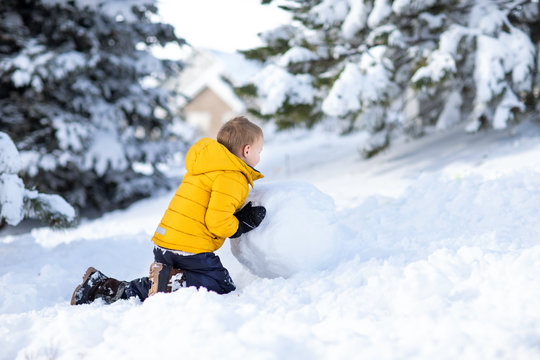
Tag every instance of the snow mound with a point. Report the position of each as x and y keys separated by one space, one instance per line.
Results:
x=301 y=231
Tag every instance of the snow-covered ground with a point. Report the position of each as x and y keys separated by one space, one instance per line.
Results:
x=435 y=255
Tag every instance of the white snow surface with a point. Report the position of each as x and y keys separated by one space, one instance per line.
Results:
x=430 y=250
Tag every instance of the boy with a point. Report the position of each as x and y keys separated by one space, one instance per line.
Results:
x=203 y=212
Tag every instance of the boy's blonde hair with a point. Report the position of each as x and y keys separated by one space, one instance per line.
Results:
x=237 y=133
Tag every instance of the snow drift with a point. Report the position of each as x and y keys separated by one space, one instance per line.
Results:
x=447 y=269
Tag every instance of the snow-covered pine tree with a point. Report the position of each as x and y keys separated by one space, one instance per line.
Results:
x=18 y=203
x=382 y=65
x=76 y=99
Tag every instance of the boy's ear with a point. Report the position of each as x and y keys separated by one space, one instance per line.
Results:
x=245 y=150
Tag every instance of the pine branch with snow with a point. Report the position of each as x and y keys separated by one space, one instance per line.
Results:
x=402 y=66
x=18 y=203
x=79 y=98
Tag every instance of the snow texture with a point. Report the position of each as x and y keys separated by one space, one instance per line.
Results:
x=451 y=113
x=103 y=113
x=435 y=47
x=15 y=201
x=9 y=156
x=113 y=8
x=505 y=111
x=443 y=262
x=344 y=96
x=440 y=65
x=54 y=205
x=408 y=7
x=330 y=12
x=360 y=84
x=11 y=198
x=451 y=38
x=295 y=55
x=11 y=186
x=275 y=86
x=356 y=19
x=489 y=72
x=106 y=152
x=381 y=11
x=274 y=250
x=500 y=53
x=433 y=21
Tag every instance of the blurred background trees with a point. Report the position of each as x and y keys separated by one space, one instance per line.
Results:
x=79 y=98
x=401 y=66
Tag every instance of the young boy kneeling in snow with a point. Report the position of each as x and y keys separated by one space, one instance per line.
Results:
x=204 y=211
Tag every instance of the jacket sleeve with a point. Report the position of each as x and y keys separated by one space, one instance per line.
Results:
x=228 y=194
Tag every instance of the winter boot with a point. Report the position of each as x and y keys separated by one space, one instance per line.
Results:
x=96 y=285
x=165 y=278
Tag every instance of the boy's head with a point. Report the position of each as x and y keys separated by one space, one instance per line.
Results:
x=243 y=138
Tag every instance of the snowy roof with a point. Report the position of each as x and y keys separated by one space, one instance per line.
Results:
x=238 y=69
x=209 y=69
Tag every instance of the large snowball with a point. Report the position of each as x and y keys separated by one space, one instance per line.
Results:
x=301 y=231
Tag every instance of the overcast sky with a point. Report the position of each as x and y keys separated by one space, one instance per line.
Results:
x=218 y=24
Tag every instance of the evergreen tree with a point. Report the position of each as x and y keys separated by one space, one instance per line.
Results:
x=77 y=99
x=401 y=65
x=17 y=203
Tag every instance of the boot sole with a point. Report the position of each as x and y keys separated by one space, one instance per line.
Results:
x=86 y=275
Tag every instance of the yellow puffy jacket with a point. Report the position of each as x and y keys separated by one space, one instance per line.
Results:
x=200 y=215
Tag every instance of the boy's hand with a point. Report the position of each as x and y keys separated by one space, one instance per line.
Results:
x=249 y=217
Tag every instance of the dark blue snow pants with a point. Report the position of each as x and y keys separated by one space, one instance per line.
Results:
x=202 y=270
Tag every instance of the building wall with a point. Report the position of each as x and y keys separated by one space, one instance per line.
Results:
x=208 y=112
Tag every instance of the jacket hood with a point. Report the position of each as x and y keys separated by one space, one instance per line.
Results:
x=208 y=155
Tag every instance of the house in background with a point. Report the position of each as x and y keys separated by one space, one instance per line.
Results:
x=205 y=97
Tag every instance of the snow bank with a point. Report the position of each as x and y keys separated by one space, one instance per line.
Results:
x=442 y=212
x=301 y=231
x=446 y=269
x=451 y=265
